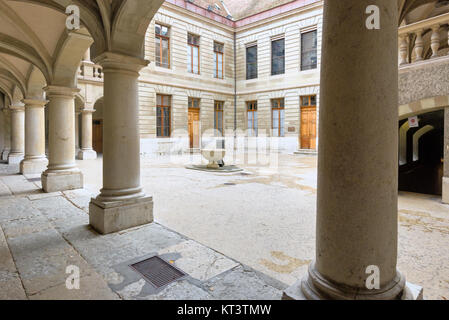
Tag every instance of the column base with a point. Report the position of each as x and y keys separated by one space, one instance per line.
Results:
x=4 y=155
x=86 y=154
x=109 y=217
x=305 y=289
x=33 y=166
x=445 y=193
x=15 y=158
x=62 y=181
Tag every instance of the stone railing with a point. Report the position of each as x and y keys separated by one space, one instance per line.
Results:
x=411 y=43
x=90 y=71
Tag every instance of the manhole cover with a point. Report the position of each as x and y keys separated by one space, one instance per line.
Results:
x=157 y=271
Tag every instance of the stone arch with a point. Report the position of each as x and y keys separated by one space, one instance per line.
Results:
x=423 y=106
x=418 y=134
x=35 y=84
x=403 y=143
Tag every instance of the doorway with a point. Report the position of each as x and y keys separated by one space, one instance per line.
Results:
x=194 y=123
x=97 y=135
x=308 y=123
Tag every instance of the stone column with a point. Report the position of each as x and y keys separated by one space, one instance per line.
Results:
x=86 y=152
x=35 y=161
x=122 y=203
x=7 y=137
x=358 y=158
x=77 y=131
x=17 y=134
x=445 y=195
x=62 y=173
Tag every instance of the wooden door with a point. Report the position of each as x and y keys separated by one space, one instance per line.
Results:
x=194 y=127
x=97 y=135
x=308 y=128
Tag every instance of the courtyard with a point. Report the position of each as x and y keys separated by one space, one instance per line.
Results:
x=243 y=235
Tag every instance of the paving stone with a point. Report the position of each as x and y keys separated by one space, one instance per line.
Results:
x=16 y=208
x=200 y=262
x=42 y=258
x=92 y=287
x=4 y=190
x=19 y=227
x=43 y=195
x=19 y=185
x=181 y=290
x=241 y=284
x=81 y=198
x=10 y=284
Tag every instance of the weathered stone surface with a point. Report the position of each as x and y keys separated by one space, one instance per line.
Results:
x=241 y=284
x=198 y=261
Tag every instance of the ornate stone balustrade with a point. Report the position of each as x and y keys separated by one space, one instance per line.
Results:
x=90 y=71
x=411 y=39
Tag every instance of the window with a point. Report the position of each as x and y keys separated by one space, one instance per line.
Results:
x=194 y=103
x=309 y=50
x=218 y=60
x=278 y=116
x=251 y=107
x=193 y=54
x=218 y=116
x=162 y=46
x=308 y=101
x=163 y=115
x=277 y=57
x=251 y=62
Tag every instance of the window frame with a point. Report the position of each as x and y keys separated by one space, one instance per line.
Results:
x=216 y=53
x=273 y=40
x=311 y=50
x=219 y=112
x=252 y=46
x=161 y=37
x=251 y=107
x=281 y=106
x=162 y=107
x=191 y=46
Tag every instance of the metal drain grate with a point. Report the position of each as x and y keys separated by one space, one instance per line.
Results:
x=157 y=271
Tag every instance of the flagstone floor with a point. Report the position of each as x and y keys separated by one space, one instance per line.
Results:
x=237 y=235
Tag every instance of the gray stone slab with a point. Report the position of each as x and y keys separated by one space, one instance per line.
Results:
x=198 y=261
x=241 y=284
x=16 y=208
x=181 y=290
x=19 y=185
x=80 y=198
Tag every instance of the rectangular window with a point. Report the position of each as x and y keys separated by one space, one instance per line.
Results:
x=162 y=46
x=218 y=116
x=277 y=117
x=163 y=116
x=251 y=62
x=309 y=47
x=251 y=107
x=218 y=60
x=277 y=57
x=194 y=103
x=193 y=53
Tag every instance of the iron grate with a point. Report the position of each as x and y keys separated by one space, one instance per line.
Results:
x=157 y=271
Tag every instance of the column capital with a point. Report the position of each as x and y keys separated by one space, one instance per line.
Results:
x=87 y=110
x=53 y=91
x=17 y=108
x=117 y=62
x=34 y=103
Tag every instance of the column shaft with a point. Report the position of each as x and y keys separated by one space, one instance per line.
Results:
x=122 y=203
x=35 y=160
x=86 y=152
x=7 y=134
x=358 y=156
x=62 y=173
x=17 y=135
x=445 y=196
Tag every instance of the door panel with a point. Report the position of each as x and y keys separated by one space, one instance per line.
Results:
x=308 y=128
x=194 y=127
x=97 y=135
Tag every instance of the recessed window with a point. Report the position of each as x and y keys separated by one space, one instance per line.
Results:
x=251 y=62
x=251 y=107
x=163 y=115
x=162 y=46
x=277 y=117
x=218 y=116
x=309 y=57
x=277 y=57
x=193 y=53
x=194 y=103
x=218 y=60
